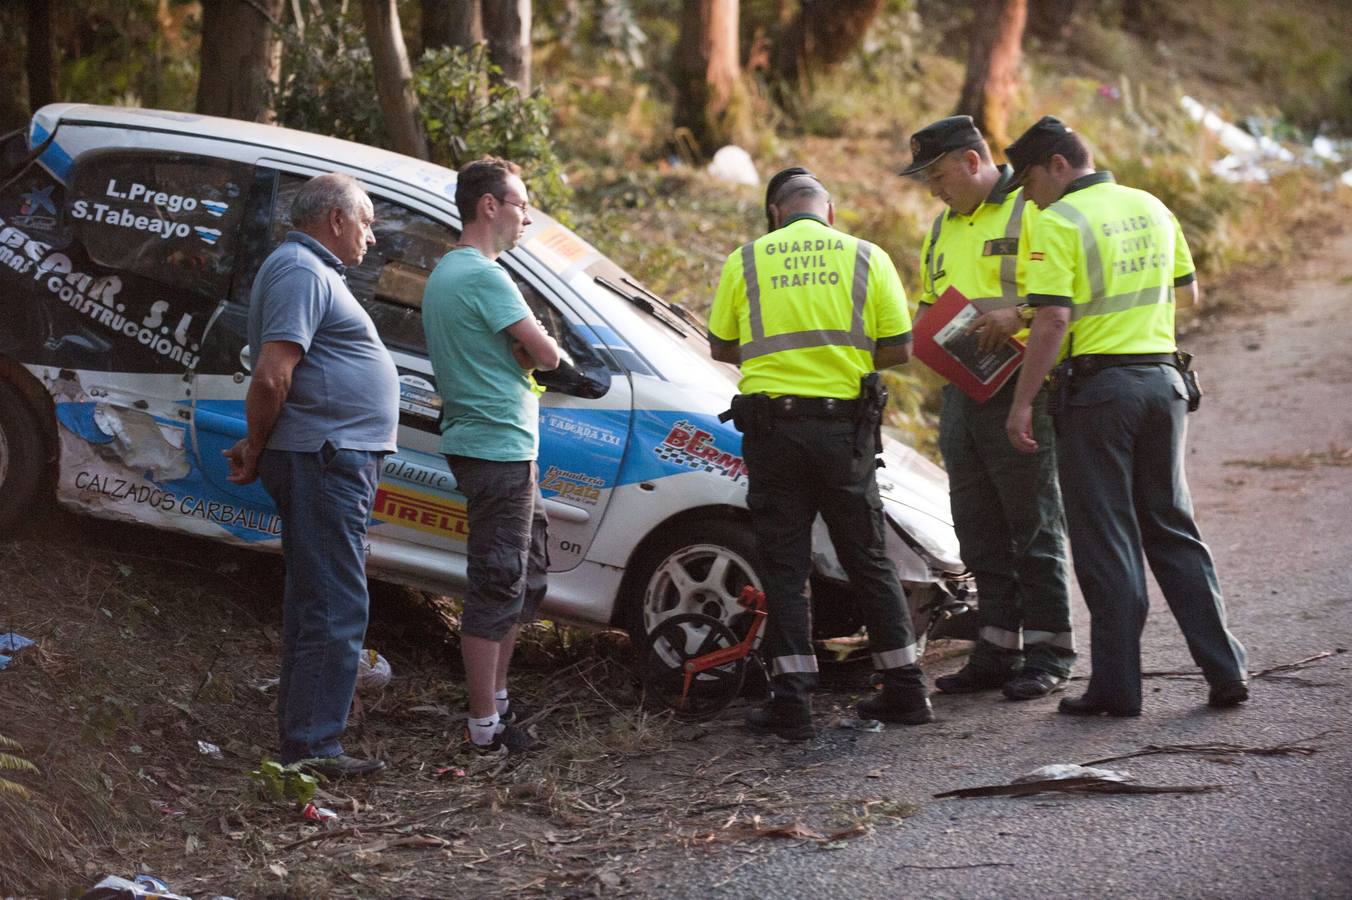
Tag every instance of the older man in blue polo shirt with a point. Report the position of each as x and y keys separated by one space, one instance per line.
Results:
x=322 y=408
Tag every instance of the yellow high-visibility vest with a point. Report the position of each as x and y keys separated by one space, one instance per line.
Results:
x=984 y=255
x=808 y=305
x=1116 y=253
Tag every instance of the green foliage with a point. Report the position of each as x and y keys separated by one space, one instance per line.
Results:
x=12 y=762
x=469 y=112
x=277 y=782
x=328 y=87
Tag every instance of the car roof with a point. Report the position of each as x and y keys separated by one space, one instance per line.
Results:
x=257 y=133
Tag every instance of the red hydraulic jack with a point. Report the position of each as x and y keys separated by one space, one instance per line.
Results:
x=695 y=664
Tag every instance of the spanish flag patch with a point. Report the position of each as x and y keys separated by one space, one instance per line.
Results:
x=1035 y=255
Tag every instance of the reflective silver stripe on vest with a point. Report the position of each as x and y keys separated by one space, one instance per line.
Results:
x=789 y=665
x=892 y=659
x=1062 y=639
x=1099 y=304
x=1007 y=640
x=932 y=266
x=856 y=337
x=752 y=291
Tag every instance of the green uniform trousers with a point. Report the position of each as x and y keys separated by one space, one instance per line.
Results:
x=1011 y=529
x=1121 y=465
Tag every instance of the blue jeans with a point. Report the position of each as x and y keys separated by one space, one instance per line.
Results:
x=324 y=500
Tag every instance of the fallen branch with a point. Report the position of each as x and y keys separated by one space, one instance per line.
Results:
x=1216 y=750
x=1075 y=786
x=967 y=866
x=1284 y=667
x=1300 y=663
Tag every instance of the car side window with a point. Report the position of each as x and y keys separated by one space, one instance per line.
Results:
x=170 y=217
x=389 y=282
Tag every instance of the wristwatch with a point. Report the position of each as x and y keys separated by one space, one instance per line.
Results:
x=1026 y=312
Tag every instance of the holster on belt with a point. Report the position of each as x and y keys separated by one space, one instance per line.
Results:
x=1060 y=386
x=872 y=403
x=750 y=413
x=1183 y=362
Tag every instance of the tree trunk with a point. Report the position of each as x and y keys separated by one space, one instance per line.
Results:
x=451 y=23
x=506 y=24
x=41 y=59
x=241 y=58
x=711 y=100
x=993 y=66
x=822 y=35
x=394 y=78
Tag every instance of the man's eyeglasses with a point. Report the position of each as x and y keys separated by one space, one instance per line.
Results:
x=521 y=204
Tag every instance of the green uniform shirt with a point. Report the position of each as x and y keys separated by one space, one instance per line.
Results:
x=1114 y=255
x=807 y=305
x=984 y=255
x=488 y=410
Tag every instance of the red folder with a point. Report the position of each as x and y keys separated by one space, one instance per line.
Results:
x=944 y=343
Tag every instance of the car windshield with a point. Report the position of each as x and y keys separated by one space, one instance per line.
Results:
x=668 y=340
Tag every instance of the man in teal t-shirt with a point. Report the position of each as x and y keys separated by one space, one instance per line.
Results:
x=484 y=342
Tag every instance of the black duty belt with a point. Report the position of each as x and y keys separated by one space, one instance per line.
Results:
x=1091 y=363
x=791 y=407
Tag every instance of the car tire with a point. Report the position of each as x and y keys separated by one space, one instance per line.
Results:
x=20 y=456
x=700 y=567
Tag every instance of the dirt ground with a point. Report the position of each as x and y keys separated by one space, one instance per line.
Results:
x=148 y=644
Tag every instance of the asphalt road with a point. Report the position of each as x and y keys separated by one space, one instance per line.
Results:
x=1270 y=464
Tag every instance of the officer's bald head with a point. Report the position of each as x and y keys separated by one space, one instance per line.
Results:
x=795 y=191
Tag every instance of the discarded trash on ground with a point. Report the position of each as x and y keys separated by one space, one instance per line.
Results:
x=323 y=815
x=208 y=749
x=453 y=771
x=147 y=886
x=1072 y=779
x=872 y=725
x=1058 y=771
x=12 y=642
x=373 y=672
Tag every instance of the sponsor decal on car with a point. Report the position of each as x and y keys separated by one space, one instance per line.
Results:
x=424 y=512
x=575 y=486
x=694 y=448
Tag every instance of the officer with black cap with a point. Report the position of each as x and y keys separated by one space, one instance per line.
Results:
x=1006 y=504
x=808 y=313
x=1108 y=264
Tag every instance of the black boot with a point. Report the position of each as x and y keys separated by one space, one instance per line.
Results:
x=788 y=713
x=903 y=699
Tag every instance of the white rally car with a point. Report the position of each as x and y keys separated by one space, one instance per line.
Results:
x=128 y=242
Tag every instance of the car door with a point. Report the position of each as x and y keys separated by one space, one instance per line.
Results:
x=417 y=504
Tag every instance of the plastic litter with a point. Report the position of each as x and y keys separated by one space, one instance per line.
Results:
x=12 y=642
x=209 y=749
x=143 y=886
x=373 y=672
x=1059 y=771
x=733 y=164
x=453 y=771
x=872 y=725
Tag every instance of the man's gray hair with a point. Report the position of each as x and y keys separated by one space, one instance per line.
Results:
x=323 y=193
x=800 y=189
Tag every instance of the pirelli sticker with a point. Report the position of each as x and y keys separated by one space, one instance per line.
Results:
x=421 y=511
